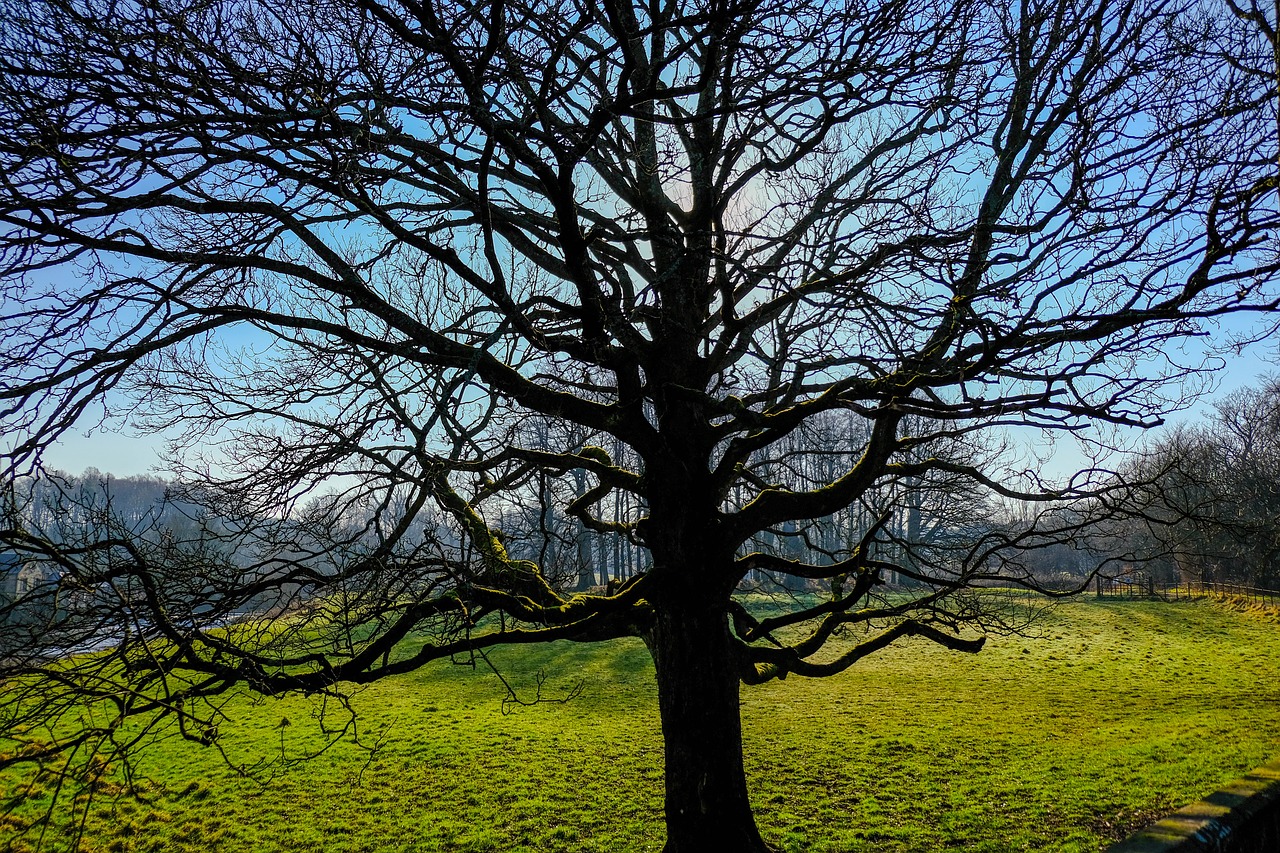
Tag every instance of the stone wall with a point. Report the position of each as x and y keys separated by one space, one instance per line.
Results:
x=1243 y=817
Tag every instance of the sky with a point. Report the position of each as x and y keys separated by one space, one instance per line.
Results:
x=130 y=453
x=112 y=453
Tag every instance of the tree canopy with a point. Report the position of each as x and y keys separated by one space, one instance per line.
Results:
x=705 y=279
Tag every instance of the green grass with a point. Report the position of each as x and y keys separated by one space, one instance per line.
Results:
x=1118 y=712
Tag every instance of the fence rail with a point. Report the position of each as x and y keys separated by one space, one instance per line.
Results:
x=1149 y=588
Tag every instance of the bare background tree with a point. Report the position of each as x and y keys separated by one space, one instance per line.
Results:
x=1208 y=510
x=508 y=284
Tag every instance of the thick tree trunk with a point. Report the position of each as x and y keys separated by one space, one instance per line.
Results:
x=707 y=808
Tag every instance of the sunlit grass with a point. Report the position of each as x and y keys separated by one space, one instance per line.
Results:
x=1119 y=711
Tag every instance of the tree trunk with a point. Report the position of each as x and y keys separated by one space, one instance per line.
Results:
x=585 y=559
x=706 y=787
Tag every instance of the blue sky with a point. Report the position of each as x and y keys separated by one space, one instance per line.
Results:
x=127 y=452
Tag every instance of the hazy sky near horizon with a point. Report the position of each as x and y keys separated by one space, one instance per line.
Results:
x=126 y=453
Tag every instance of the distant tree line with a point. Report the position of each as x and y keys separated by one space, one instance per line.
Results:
x=1211 y=508
x=1204 y=508
x=921 y=525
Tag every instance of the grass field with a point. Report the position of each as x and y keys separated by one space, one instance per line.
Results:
x=1118 y=712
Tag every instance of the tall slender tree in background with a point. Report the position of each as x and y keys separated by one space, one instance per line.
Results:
x=355 y=247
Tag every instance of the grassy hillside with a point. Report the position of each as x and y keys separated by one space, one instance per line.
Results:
x=1119 y=711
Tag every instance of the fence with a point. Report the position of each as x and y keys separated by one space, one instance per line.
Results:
x=1150 y=588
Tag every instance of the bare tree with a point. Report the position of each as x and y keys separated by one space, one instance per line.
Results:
x=1213 y=493
x=352 y=247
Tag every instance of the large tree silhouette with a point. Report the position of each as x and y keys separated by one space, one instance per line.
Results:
x=356 y=247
